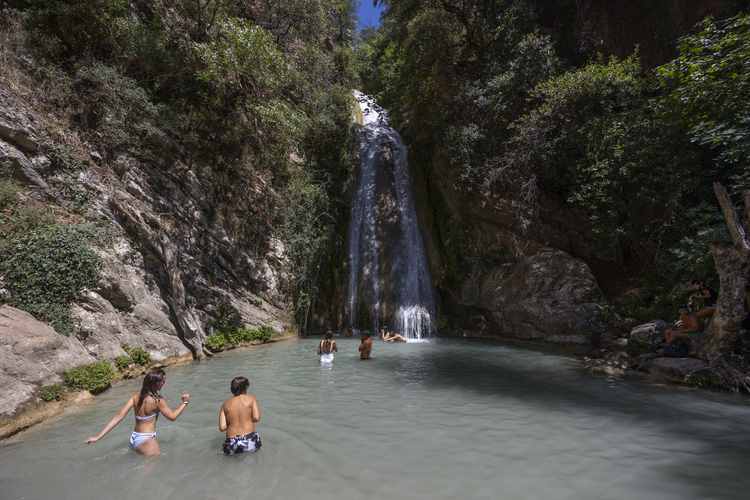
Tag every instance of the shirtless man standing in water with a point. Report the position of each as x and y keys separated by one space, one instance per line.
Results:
x=238 y=416
x=349 y=331
x=365 y=347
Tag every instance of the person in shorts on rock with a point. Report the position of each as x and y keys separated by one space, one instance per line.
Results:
x=690 y=329
x=709 y=299
x=237 y=417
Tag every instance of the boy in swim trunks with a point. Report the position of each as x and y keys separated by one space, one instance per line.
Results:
x=238 y=416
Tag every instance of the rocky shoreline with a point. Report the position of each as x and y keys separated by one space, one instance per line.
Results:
x=36 y=411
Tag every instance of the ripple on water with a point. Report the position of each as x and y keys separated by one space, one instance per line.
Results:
x=437 y=419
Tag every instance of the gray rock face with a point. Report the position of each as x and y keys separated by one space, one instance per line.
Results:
x=674 y=369
x=547 y=297
x=170 y=263
x=651 y=332
x=32 y=355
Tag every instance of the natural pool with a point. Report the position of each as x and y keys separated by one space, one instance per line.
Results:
x=440 y=419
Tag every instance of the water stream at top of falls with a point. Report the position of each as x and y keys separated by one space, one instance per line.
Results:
x=389 y=277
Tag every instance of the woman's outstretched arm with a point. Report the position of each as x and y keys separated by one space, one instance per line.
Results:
x=167 y=412
x=112 y=423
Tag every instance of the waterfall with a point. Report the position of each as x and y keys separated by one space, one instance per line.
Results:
x=389 y=278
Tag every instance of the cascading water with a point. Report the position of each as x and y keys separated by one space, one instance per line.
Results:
x=388 y=277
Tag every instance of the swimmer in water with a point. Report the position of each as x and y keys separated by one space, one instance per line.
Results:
x=365 y=347
x=390 y=336
x=349 y=331
x=147 y=404
x=327 y=347
x=238 y=416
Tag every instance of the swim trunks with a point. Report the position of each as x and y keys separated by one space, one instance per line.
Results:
x=693 y=335
x=138 y=438
x=241 y=444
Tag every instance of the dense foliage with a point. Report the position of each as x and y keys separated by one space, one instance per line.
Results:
x=259 y=90
x=47 y=267
x=52 y=392
x=220 y=339
x=492 y=99
x=92 y=377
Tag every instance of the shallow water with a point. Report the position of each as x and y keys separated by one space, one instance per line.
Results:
x=439 y=419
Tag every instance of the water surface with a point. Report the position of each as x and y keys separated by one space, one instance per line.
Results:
x=440 y=419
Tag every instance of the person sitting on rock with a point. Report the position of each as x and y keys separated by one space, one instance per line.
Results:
x=390 y=336
x=688 y=330
x=709 y=299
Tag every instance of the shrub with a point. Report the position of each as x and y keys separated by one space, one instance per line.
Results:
x=227 y=318
x=46 y=268
x=265 y=332
x=706 y=378
x=140 y=356
x=122 y=362
x=52 y=392
x=635 y=348
x=218 y=340
x=92 y=377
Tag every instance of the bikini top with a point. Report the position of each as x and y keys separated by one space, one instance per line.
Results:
x=156 y=397
x=147 y=418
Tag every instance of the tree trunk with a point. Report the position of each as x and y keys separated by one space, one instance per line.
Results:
x=732 y=264
x=726 y=323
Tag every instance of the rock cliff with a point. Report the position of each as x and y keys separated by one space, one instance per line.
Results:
x=168 y=265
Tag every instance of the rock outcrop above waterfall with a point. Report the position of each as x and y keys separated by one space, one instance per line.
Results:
x=549 y=297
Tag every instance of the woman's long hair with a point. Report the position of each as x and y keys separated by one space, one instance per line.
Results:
x=329 y=341
x=151 y=383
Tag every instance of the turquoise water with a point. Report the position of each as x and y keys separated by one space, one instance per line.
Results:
x=440 y=419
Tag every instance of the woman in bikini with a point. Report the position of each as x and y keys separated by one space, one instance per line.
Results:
x=327 y=347
x=147 y=404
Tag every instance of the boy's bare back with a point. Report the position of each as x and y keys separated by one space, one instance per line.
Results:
x=238 y=415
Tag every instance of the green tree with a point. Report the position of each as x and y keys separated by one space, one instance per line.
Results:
x=709 y=92
x=592 y=143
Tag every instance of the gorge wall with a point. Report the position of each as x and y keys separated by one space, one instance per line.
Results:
x=166 y=269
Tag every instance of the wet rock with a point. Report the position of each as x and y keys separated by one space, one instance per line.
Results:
x=548 y=297
x=673 y=369
x=650 y=333
x=32 y=355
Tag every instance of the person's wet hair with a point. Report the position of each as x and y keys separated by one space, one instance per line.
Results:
x=151 y=384
x=696 y=282
x=682 y=306
x=385 y=328
x=329 y=334
x=350 y=327
x=367 y=335
x=239 y=385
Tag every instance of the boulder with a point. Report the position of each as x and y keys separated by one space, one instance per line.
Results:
x=548 y=297
x=33 y=356
x=651 y=332
x=673 y=369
